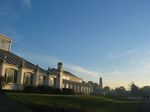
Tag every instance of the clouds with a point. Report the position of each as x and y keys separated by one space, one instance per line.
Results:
x=114 y=55
x=26 y=4
x=81 y=70
x=137 y=69
x=11 y=12
x=138 y=56
x=136 y=63
x=47 y=60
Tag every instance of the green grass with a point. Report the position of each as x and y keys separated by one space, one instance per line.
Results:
x=76 y=103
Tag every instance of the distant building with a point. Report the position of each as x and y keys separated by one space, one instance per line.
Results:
x=97 y=88
x=18 y=72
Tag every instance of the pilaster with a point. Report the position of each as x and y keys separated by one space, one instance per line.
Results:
x=36 y=77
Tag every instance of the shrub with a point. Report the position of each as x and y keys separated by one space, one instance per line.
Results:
x=31 y=89
x=55 y=90
x=42 y=90
x=14 y=91
x=67 y=91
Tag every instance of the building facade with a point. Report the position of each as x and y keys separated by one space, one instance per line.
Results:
x=18 y=73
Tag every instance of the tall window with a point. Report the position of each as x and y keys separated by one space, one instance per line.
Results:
x=28 y=78
x=11 y=75
x=53 y=82
x=42 y=80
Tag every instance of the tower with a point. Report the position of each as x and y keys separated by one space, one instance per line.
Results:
x=5 y=43
x=59 y=75
x=100 y=82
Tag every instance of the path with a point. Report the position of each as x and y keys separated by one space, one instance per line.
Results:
x=9 y=105
x=145 y=107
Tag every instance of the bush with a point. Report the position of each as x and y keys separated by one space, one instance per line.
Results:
x=55 y=90
x=67 y=91
x=13 y=91
x=31 y=89
x=42 y=90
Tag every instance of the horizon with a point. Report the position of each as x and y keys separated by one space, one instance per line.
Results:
x=91 y=38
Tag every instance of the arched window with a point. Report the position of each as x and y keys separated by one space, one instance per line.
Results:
x=28 y=78
x=11 y=75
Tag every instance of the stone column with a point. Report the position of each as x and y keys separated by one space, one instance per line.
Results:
x=75 y=88
x=48 y=80
x=2 y=66
x=2 y=70
x=80 y=88
x=36 y=77
x=48 y=77
x=20 y=77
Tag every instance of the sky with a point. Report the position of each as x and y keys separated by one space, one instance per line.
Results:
x=93 y=38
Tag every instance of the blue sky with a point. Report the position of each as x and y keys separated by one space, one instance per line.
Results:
x=93 y=38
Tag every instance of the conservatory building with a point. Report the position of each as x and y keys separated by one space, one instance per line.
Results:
x=18 y=72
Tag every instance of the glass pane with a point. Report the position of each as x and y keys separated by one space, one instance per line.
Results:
x=28 y=79
x=11 y=76
x=15 y=76
x=41 y=80
x=52 y=82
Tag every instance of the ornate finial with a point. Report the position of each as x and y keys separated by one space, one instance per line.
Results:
x=49 y=69
x=37 y=67
x=23 y=63
x=5 y=57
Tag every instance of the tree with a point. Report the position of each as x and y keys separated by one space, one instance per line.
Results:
x=135 y=89
x=119 y=92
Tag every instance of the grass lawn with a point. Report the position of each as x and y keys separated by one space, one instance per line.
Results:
x=61 y=103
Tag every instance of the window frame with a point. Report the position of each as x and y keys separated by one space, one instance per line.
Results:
x=43 y=80
x=14 y=76
x=30 y=76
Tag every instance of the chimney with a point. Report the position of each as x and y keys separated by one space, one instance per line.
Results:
x=59 y=66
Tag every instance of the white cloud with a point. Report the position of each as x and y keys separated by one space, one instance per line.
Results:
x=26 y=4
x=137 y=67
x=115 y=72
x=118 y=73
x=11 y=11
x=82 y=70
x=48 y=60
x=114 y=55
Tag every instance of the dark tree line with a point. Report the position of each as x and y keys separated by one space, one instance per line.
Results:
x=134 y=91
